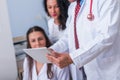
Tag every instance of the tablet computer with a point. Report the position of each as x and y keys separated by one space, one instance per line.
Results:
x=38 y=54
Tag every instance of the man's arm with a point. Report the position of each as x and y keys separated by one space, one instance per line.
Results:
x=108 y=26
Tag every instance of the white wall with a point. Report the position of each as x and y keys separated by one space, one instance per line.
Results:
x=24 y=14
x=8 y=68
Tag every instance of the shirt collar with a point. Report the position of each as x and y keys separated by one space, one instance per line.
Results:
x=81 y=2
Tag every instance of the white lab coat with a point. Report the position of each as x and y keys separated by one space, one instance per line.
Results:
x=99 y=50
x=59 y=74
x=54 y=33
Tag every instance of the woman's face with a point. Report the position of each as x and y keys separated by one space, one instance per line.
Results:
x=53 y=8
x=37 y=39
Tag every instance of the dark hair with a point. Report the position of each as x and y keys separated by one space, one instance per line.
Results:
x=63 y=5
x=30 y=60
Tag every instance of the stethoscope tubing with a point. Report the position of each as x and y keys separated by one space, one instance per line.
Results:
x=90 y=15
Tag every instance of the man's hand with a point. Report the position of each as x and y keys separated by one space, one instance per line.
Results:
x=60 y=59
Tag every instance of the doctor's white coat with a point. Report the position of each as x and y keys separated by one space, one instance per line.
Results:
x=99 y=50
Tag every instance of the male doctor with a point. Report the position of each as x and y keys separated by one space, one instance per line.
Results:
x=97 y=46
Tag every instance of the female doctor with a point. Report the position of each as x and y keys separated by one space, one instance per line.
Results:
x=57 y=11
x=97 y=29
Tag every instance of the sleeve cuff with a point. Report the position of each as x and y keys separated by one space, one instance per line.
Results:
x=76 y=61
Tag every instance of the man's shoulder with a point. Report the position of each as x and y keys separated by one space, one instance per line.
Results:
x=71 y=8
x=72 y=5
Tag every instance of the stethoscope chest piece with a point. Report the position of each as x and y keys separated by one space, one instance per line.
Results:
x=90 y=17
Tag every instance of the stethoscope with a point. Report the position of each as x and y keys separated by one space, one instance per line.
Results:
x=90 y=16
